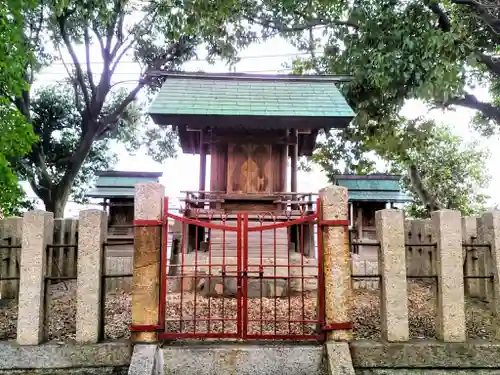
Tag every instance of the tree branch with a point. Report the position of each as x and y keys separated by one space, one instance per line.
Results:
x=117 y=11
x=443 y=19
x=119 y=35
x=314 y=22
x=418 y=187
x=108 y=122
x=90 y=76
x=74 y=165
x=74 y=84
x=78 y=68
x=470 y=101
x=481 y=10
x=492 y=63
x=118 y=55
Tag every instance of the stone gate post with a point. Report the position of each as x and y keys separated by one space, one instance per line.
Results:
x=491 y=235
x=38 y=232
x=92 y=231
x=147 y=248
x=336 y=262
x=447 y=226
x=392 y=265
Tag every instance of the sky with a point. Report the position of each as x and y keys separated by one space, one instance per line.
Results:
x=182 y=173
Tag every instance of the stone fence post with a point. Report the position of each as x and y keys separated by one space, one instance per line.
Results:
x=147 y=248
x=392 y=265
x=336 y=263
x=38 y=232
x=10 y=257
x=490 y=234
x=91 y=237
x=447 y=226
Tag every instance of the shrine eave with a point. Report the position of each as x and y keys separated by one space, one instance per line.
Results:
x=250 y=122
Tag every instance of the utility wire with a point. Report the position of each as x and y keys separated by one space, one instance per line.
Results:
x=242 y=58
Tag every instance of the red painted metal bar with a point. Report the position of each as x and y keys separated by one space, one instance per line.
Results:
x=284 y=224
x=334 y=223
x=163 y=267
x=321 y=274
x=145 y=328
x=239 y=292
x=244 y=280
x=337 y=326
x=204 y=224
x=147 y=223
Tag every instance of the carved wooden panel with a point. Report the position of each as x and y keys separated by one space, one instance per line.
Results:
x=249 y=168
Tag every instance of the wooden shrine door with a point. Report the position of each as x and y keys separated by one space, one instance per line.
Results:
x=249 y=168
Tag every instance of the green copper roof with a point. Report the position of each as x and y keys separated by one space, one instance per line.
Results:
x=380 y=188
x=237 y=96
x=120 y=184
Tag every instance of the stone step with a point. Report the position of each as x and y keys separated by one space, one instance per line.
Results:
x=220 y=359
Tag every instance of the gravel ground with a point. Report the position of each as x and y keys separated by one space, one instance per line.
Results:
x=61 y=314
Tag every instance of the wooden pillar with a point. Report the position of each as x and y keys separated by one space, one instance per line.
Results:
x=294 y=161
x=203 y=164
x=284 y=164
x=359 y=222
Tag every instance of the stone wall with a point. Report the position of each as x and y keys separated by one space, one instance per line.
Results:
x=421 y=256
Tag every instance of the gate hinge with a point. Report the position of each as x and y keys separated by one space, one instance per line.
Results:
x=337 y=326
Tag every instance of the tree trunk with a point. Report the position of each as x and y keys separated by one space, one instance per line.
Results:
x=418 y=187
x=56 y=205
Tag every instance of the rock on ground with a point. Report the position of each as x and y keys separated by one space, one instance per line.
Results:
x=60 y=322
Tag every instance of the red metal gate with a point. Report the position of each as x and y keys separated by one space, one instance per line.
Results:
x=241 y=276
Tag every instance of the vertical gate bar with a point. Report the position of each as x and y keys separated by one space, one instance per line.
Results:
x=244 y=273
x=163 y=267
x=196 y=239
x=261 y=261
x=302 y=254
x=223 y=220
x=239 y=307
x=321 y=276
x=209 y=320
x=275 y=273
x=288 y=278
x=180 y=278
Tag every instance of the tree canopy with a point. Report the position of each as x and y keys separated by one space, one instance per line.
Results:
x=159 y=35
x=16 y=135
x=433 y=51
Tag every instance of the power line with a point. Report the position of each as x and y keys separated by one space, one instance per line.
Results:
x=242 y=58
x=63 y=76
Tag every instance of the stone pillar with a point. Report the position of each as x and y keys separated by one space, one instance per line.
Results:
x=336 y=262
x=91 y=236
x=450 y=321
x=490 y=233
x=38 y=232
x=146 y=274
x=11 y=257
x=392 y=265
